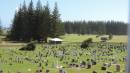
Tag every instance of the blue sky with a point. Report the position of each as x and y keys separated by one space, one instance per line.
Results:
x=96 y=10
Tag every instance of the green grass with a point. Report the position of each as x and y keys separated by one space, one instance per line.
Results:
x=80 y=38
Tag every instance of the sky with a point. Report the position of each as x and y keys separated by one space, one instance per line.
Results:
x=73 y=10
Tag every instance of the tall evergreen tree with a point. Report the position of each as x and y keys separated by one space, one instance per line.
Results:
x=55 y=22
x=16 y=27
x=31 y=22
x=39 y=19
x=24 y=22
x=46 y=22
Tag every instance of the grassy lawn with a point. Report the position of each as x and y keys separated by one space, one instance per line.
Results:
x=80 y=38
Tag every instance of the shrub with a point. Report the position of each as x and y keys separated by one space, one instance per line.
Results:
x=86 y=43
x=29 y=47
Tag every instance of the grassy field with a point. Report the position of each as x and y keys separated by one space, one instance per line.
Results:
x=80 y=38
x=13 y=60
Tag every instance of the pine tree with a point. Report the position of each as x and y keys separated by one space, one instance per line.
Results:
x=24 y=22
x=46 y=23
x=17 y=26
x=55 y=22
x=31 y=22
x=39 y=21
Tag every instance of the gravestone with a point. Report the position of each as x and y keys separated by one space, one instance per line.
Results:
x=94 y=62
x=88 y=66
x=118 y=67
x=103 y=68
x=47 y=71
x=108 y=72
x=107 y=64
x=1 y=71
x=39 y=71
x=62 y=71
x=77 y=65
x=94 y=72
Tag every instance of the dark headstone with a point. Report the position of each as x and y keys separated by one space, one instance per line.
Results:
x=94 y=63
x=108 y=72
x=62 y=71
x=103 y=68
x=118 y=67
x=94 y=72
x=88 y=66
x=77 y=65
x=1 y=71
x=47 y=71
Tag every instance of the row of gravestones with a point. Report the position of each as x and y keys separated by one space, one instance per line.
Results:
x=106 y=65
x=39 y=71
x=87 y=65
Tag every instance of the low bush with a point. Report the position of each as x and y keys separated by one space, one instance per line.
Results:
x=86 y=43
x=29 y=47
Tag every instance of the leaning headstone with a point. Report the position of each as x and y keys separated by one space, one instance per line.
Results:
x=118 y=67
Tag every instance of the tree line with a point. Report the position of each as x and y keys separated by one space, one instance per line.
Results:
x=35 y=23
x=95 y=27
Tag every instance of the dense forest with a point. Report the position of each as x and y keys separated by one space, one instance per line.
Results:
x=40 y=22
x=95 y=27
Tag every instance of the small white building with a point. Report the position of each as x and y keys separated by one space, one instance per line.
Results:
x=55 y=41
